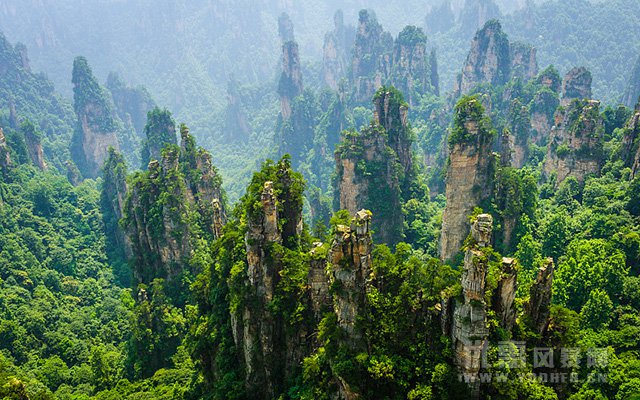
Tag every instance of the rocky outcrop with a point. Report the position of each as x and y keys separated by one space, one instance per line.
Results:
x=32 y=139
x=112 y=201
x=475 y=13
x=336 y=51
x=524 y=64
x=285 y=27
x=470 y=331
x=271 y=347
x=576 y=85
x=630 y=149
x=368 y=164
x=350 y=266
x=372 y=44
x=632 y=93
x=96 y=128
x=162 y=205
x=469 y=173
x=542 y=110
x=236 y=125
x=519 y=124
x=5 y=158
x=290 y=84
x=131 y=103
x=576 y=141
x=505 y=294
x=411 y=72
x=493 y=60
x=488 y=60
x=537 y=309
x=434 y=76
x=159 y=131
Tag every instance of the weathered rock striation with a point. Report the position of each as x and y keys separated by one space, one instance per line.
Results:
x=469 y=173
x=576 y=141
x=576 y=85
x=96 y=129
x=336 y=51
x=160 y=207
x=290 y=83
x=632 y=93
x=538 y=307
x=493 y=60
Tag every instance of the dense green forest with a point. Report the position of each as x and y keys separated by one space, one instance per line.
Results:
x=448 y=209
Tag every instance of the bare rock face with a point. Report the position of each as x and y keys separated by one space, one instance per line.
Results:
x=391 y=113
x=630 y=151
x=162 y=204
x=112 y=199
x=505 y=294
x=371 y=44
x=469 y=174
x=34 y=145
x=96 y=129
x=524 y=63
x=5 y=159
x=290 y=84
x=336 y=51
x=488 y=60
x=272 y=347
x=576 y=85
x=321 y=300
x=236 y=125
x=350 y=266
x=575 y=145
x=411 y=72
x=537 y=308
x=542 y=109
x=632 y=93
x=469 y=330
x=131 y=103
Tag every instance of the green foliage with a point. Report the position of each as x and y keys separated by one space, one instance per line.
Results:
x=470 y=124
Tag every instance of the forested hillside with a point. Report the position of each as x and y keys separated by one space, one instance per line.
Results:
x=321 y=203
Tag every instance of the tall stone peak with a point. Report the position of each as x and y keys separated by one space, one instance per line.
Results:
x=96 y=127
x=469 y=173
x=488 y=60
x=538 y=307
x=576 y=85
x=162 y=204
x=576 y=141
x=494 y=60
x=33 y=140
x=411 y=71
x=290 y=83
x=524 y=64
x=475 y=13
x=336 y=51
x=630 y=148
x=159 y=131
x=236 y=125
x=285 y=28
x=5 y=158
x=632 y=93
x=550 y=78
x=131 y=103
x=368 y=165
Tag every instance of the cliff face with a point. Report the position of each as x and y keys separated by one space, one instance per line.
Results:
x=336 y=51
x=576 y=85
x=469 y=173
x=236 y=126
x=5 y=159
x=524 y=64
x=576 y=141
x=96 y=128
x=470 y=331
x=272 y=345
x=290 y=84
x=537 y=309
x=504 y=295
x=112 y=199
x=542 y=109
x=159 y=131
x=32 y=139
x=159 y=210
x=371 y=45
x=368 y=165
x=131 y=103
x=493 y=60
x=632 y=93
x=488 y=60
x=630 y=151
x=411 y=72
